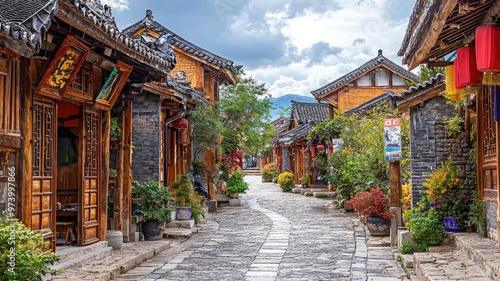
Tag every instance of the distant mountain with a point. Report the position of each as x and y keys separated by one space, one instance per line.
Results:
x=285 y=101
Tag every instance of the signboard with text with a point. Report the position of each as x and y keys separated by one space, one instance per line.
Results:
x=392 y=139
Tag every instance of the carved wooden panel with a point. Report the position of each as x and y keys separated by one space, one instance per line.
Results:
x=43 y=189
x=63 y=68
x=10 y=83
x=90 y=191
x=489 y=152
x=113 y=86
x=82 y=89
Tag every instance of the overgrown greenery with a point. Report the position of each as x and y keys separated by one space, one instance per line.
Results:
x=155 y=198
x=24 y=255
x=269 y=172
x=206 y=124
x=361 y=163
x=426 y=229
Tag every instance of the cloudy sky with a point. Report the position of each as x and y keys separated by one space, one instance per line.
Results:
x=293 y=46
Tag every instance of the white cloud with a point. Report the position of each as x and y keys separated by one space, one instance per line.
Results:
x=116 y=4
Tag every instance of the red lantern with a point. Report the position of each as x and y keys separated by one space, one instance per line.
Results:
x=466 y=73
x=181 y=123
x=313 y=151
x=487 y=46
x=320 y=147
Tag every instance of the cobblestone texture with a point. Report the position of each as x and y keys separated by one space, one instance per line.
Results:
x=274 y=236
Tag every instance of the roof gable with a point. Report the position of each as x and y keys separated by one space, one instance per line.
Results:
x=388 y=97
x=378 y=61
x=421 y=92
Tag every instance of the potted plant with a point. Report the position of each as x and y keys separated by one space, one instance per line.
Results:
x=374 y=205
x=236 y=185
x=269 y=172
x=445 y=192
x=153 y=206
x=182 y=190
x=304 y=180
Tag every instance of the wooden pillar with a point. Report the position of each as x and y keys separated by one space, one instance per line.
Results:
x=120 y=175
x=26 y=157
x=103 y=197
x=127 y=163
x=209 y=158
x=395 y=180
x=497 y=130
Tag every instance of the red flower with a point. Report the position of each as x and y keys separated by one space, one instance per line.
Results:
x=371 y=203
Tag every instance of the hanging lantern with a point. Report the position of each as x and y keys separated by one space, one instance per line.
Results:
x=451 y=88
x=320 y=147
x=487 y=55
x=466 y=73
x=181 y=123
x=313 y=151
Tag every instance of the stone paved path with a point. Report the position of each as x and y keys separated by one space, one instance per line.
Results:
x=274 y=236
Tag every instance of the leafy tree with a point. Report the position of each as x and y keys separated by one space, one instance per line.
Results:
x=245 y=109
x=206 y=124
x=425 y=73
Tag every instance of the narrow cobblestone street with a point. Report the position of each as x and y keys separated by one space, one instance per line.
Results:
x=274 y=236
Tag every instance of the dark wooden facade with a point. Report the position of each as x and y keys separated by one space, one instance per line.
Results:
x=56 y=133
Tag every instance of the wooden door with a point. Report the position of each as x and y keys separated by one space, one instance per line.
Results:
x=43 y=195
x=487 y=142
x=90 y=178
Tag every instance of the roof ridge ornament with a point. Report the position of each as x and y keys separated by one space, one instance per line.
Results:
x=149 y=14
x=379 y=52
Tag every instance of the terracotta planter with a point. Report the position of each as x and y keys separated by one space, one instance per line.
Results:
x=378 y=226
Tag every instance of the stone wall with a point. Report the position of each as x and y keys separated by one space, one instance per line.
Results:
x=491 y=219
x=146 y=135
x=286 y=160
x=430 y=144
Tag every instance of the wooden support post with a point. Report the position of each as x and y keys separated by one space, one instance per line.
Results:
x=127 y=163
x=395 y=179
x=118 y=188
x=26 y=157
x=103 y=200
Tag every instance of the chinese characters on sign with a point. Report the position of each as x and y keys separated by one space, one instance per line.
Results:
x=392 y=139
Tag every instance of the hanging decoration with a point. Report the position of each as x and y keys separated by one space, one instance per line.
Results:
x=466 y=72
x=487 y=55
x=313 y=151
x=451 y=88
x=181 y=123
x=320 y=147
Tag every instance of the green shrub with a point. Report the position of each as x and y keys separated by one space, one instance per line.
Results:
x=24 y=255
x=269 y=172
x=286 y=181
x=410 y=247
x=155 y=197
x=322 y=195
x=426 y=228
x=236 y=184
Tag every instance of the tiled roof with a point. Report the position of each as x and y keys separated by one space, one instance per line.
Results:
x=415 y=15
x=182 y=90
x=305 y=112
x=103 y=19
x=387 y=96
x=180 y=42
x=414 y=91
x=371 y=64
x=24 y=21
x=294 y=134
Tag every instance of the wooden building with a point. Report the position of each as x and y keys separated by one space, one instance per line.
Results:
x=197 y=67
x=437 y=29
x=64 y=65
x=375 y=77
x=290 y=145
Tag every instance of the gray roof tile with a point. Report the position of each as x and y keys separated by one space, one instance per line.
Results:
x=305 y=112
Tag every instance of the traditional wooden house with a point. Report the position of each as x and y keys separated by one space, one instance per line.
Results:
x=56 y=132
x=201 y=69
x=377 y=76
x=280 y=125
x=290 y=145
x=440 y=28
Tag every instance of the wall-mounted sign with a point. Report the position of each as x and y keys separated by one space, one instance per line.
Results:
x=392 y=139
x=337 y=144
x=113 y=86
x=63 y=68
x=184 y=136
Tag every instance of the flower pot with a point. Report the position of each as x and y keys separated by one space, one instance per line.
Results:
x=451 y=224
x=347 y=207
x=378 y=226
x=183 y=213
x=152 y=230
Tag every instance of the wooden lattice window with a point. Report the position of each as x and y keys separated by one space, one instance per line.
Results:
x=43 y=137
x=9 y=97
x=487 y=145
x=92 y=127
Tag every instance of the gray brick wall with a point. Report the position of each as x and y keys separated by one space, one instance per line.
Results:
x=146 y=137
x=430 y=144
x=491 y=219
x=286 y=162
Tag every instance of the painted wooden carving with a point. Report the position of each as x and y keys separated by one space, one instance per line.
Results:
x=63 y=68
x=113 y=86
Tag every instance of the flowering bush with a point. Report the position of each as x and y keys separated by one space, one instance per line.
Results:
x=445 y=192
x=286 y=181
x=406 y=200
x=371 y=203
x=269 y=172
x=229 y=163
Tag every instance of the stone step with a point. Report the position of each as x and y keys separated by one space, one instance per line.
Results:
x=304 y=190
x=80 y=259
x=326 y=194
x=482 y=251
x=68 y=252
x=448 y=265
x=128 y=257
x=181 y=224
x=178 y=233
